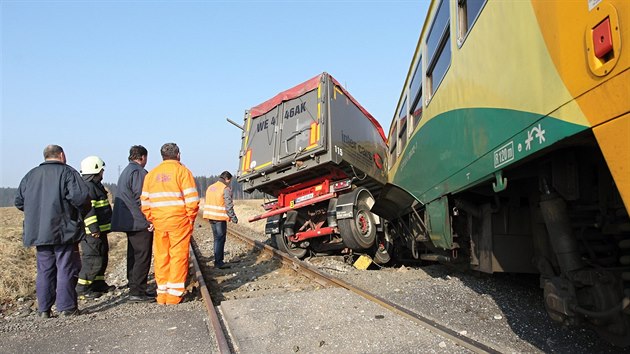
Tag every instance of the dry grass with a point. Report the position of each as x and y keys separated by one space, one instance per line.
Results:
x=17 y=274
x=19 y=267
x=245 y=209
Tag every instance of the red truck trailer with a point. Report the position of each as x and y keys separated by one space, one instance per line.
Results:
x=322 y=157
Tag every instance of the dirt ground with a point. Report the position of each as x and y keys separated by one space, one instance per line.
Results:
x=249 y=272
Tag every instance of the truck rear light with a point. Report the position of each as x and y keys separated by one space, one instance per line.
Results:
x=314 y=134
x=247 y=158
x=270 y=205
x=602 y=38
x=341 y=185
x=378 y=161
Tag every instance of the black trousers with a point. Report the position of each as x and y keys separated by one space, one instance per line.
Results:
x=139 y=246
x=94 y=259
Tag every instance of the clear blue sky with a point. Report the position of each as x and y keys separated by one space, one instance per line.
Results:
x=99 y=76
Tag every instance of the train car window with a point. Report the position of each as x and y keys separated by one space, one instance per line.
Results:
x=393 y=139
x=437 y=72
x=467 y=13
x=402 y=127
x=438 y=27
x=415 y=92
x=438 y=47
x=403 y=109
x=402 y=135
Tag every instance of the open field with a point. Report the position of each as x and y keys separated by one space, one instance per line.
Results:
x=18 y=263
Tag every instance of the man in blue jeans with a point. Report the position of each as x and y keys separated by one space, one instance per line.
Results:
x=218 y=209
x=53 y=197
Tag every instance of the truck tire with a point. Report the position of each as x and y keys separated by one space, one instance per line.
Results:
x=383 y=249
x=288 y=247
x=358 y=232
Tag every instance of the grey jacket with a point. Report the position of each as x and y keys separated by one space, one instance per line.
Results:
x=229 y=203
x=53 y=197
x=127 y=215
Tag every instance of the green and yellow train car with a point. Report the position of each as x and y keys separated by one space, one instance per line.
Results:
x=510 y=150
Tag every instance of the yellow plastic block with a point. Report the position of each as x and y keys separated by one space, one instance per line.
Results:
x=363 y=262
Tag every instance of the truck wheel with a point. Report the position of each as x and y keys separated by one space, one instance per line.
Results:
x=359 y=232
x=383 y=249
x=286 y=246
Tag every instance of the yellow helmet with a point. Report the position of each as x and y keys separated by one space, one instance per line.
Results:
x=92 y=165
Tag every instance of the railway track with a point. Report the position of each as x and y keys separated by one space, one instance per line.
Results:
x=302 y=269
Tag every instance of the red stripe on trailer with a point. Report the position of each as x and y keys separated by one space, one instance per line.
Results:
x=296 y=206
x=301 y=236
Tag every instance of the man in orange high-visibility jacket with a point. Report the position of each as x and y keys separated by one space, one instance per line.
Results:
x=218 y=209
x=170 y=202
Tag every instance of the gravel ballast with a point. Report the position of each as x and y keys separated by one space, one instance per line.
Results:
x=503 y=310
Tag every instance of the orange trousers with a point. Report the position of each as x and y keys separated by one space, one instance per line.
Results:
x=170 y=250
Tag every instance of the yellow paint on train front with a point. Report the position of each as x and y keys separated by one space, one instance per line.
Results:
x=613 y=140
x=563 y=27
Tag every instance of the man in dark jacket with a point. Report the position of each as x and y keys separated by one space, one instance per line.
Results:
x=95 y=246
x=128 y=218
x=52 y=197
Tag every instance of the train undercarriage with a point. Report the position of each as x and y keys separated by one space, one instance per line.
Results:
x=561 y=217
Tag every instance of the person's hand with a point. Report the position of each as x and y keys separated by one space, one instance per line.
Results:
x=150 y=228
x=235 y=220
x=96 y=234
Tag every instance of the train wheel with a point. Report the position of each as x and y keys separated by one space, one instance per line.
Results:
x=359 y=232
x=292 y=249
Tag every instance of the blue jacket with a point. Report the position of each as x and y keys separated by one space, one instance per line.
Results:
x=52 y=196
x=127 y=214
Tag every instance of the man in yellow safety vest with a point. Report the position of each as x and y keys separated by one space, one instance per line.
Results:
x=218 y=209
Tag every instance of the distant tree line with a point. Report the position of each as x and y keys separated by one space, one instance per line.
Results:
x=237 y=189
x=7 y=196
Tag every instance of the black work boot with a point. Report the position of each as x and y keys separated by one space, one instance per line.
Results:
x=70 y=313
x=43 y=314
x=102 y=287
x=89 y=294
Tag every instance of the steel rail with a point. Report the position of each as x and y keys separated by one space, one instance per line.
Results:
x=222 y=342
x=325 y=279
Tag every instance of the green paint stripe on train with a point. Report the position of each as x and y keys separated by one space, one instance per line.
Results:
x=477 y=139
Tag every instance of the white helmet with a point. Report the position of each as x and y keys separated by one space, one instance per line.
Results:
x=92 y=165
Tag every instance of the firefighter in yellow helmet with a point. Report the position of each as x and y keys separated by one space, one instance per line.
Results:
x=170 y=202
x=94 y=246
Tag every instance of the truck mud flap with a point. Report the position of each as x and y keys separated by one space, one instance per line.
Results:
x=346 y=202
